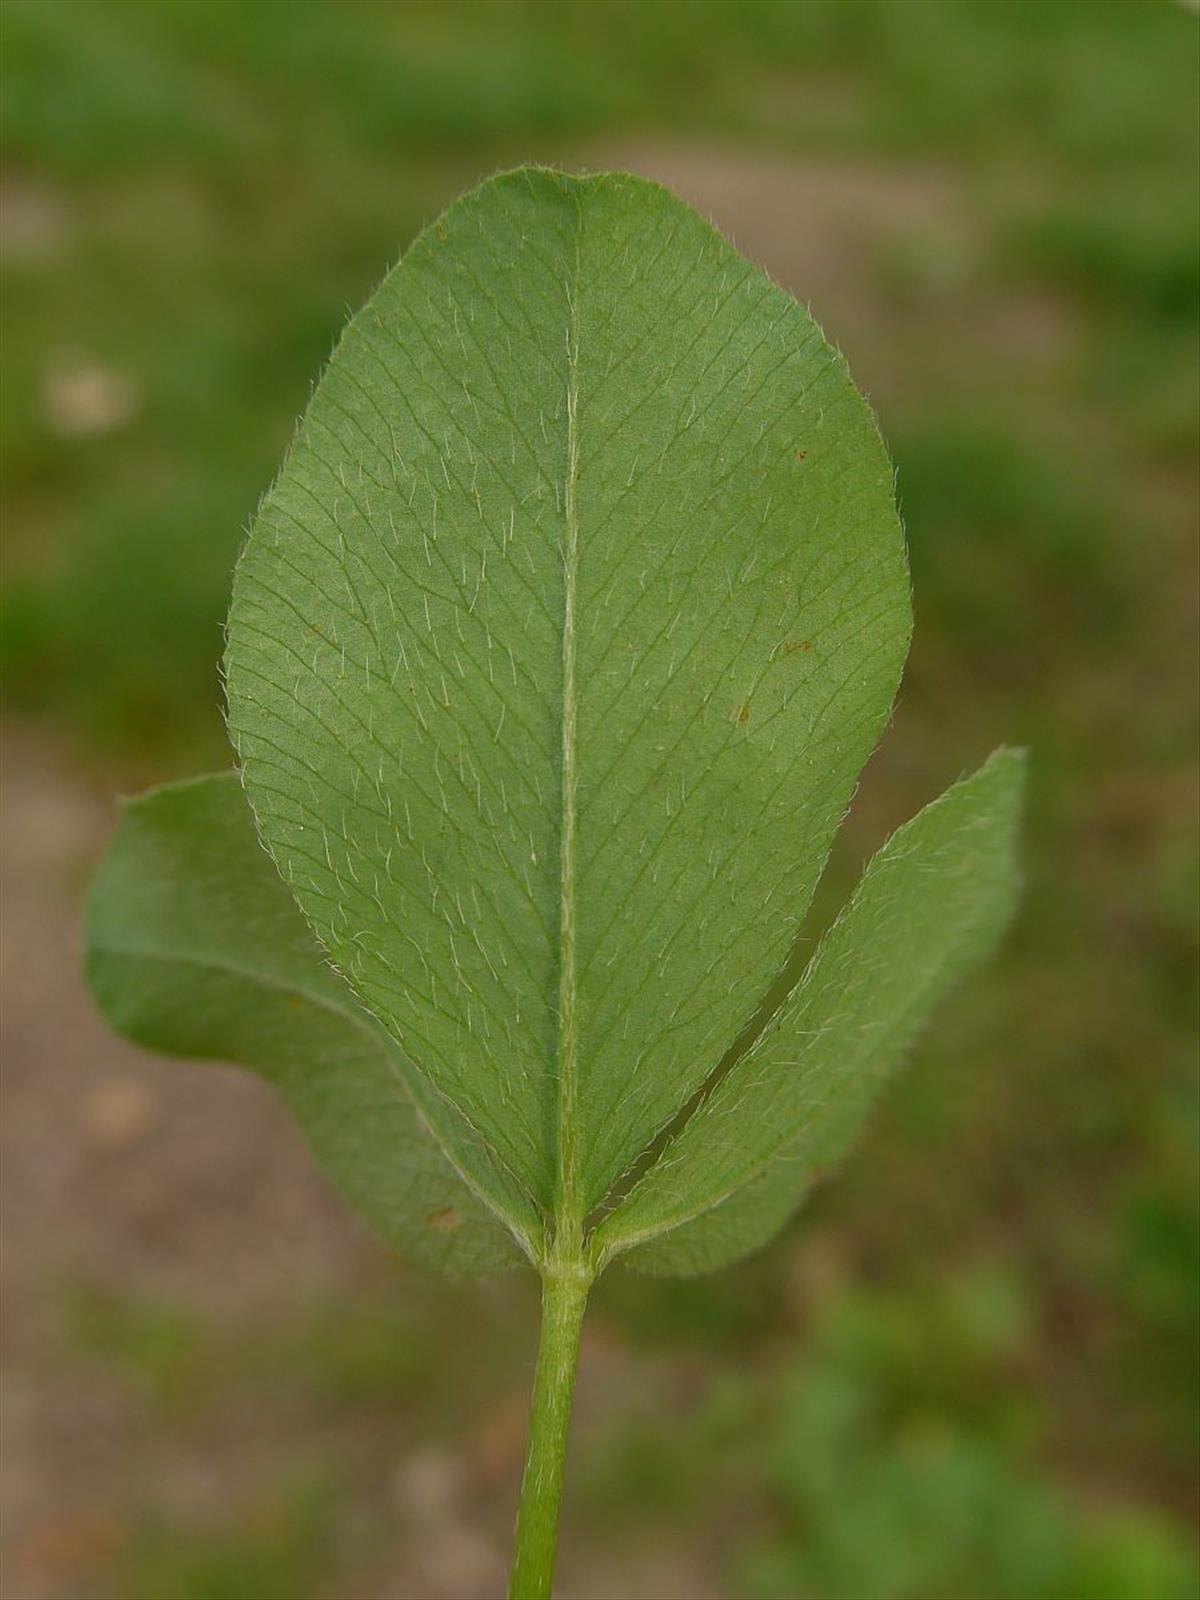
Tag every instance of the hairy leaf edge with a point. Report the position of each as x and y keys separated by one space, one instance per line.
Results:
x=360 y=1018
x=606 y=1243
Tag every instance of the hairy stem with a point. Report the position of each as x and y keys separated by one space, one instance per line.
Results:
x=564 y=1298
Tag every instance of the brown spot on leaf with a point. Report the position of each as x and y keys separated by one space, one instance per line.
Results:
x=445 y=1220
x=797 y=645
x=743 y=713
x=800 y=454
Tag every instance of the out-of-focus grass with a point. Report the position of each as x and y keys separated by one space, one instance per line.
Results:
x=95 y=86
x=382 y=1357
x=895 y=1458
x=215 y=189
x=276 y=1548
x=898 y=1468
x=196 y=194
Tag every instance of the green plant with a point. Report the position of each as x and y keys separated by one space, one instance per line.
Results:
x=554 y=656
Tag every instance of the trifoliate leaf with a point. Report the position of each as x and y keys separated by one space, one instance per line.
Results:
x=196 y=948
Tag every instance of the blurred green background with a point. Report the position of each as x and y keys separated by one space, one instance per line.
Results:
x=969 y=1369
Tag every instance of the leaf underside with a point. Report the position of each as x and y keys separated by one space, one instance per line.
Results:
x=554 y=655
x=928 y=908
x=195 y=948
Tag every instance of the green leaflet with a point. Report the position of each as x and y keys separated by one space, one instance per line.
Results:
x=554 y=655
x=741 y=1224
x=929 y=906
x=195 y=948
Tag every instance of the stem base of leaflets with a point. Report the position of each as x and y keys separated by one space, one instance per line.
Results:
x=564 y=1299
